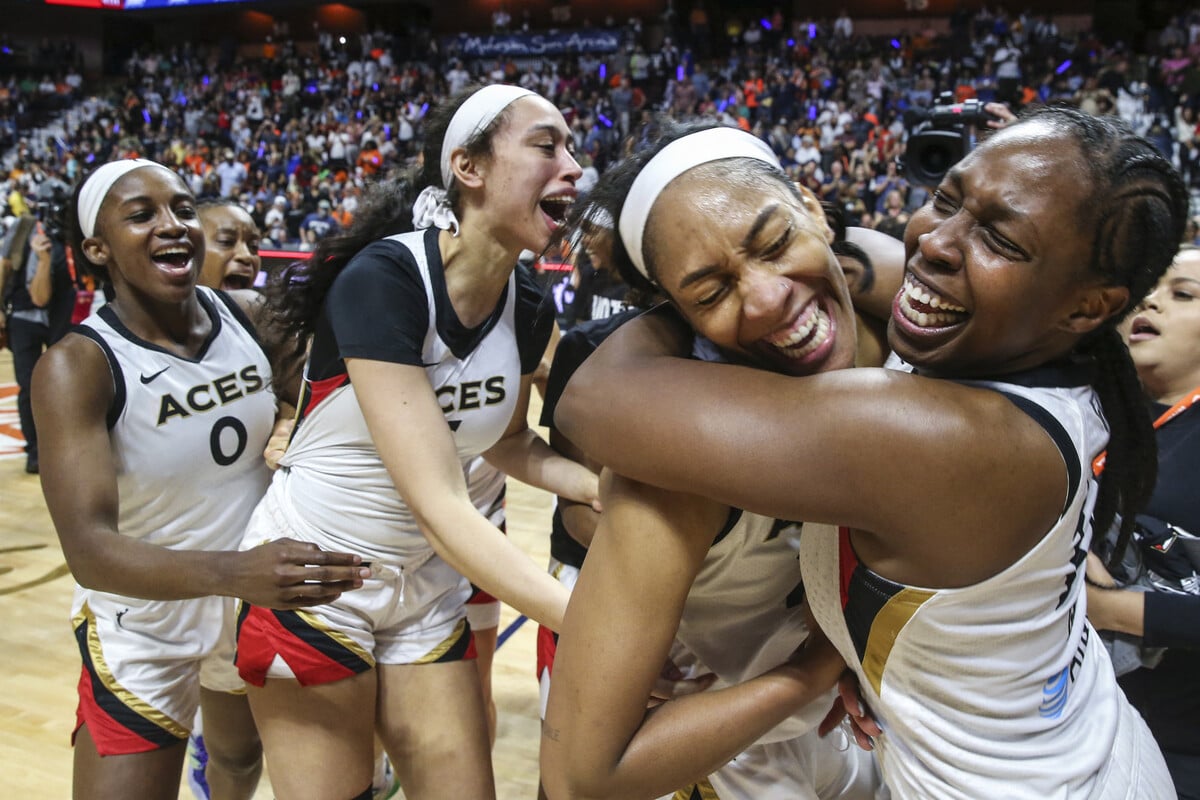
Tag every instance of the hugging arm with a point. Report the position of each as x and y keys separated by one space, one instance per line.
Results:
x=524 y=455
x=808 y=448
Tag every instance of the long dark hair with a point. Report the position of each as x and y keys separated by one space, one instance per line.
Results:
x=296 y=293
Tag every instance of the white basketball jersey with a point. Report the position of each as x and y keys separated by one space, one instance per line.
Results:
x=1000 y=689
x=333 y=477
x=188 y=434
x=743 y=613
x=187 y=440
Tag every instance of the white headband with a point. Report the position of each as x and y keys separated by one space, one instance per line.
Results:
x=96 y=187
x=702 y=147
x=475 y=114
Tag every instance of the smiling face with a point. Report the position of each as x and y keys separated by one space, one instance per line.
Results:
x=1164 y=332
x=230 y=248
x=996 y=261
x=749 y=265
x=148 y=235
x=528 y=181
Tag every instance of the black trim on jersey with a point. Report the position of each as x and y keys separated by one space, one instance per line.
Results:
x=114 y=366
x=1058 y=434
x=461 y=340
x=110 y=316
x=563 y=547
x=320 y=641
x=239 y=314
x=866 y=596
x=112 y=705
x=1059 y=375
x=575 y=346
x=731 y=519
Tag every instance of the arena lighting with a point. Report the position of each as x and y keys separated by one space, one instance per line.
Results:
x=812 y=30
x=603 y=71
x=679 y=73
x=607 y=122
x=895 y=44
x=1063 y=67
x=791 y=42
x=766 y=23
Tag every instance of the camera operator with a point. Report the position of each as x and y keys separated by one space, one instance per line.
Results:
x=38 y=298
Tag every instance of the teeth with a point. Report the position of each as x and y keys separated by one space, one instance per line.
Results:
x=914 y=293
x=805 y=333
x=172 y=251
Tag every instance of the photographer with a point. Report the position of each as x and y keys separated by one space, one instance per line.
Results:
x=38 y=298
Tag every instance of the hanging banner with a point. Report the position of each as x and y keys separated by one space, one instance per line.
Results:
x=522 y=45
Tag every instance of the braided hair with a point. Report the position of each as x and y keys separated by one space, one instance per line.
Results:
x=1138 y=206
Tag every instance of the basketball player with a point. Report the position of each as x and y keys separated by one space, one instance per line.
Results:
x=956 y=593
x=155 y=412
x=422 y=355
x=716 y=589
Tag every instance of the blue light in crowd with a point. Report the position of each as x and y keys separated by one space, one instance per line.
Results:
x=116 y=127
x=424 y=108
x=387 y=131
x=6 y=50
x=721 y=106
x=1063 y=67
x=679 y=72
x=204 y=80
x=146 y=116
x=812 y=112
x=895 y=44
x=812 y=30
x=374 y=87
x=791 y=42
x=607 y=122
x=603 y=71
x=358 y=114
x=311 y=88
x=261 y=150
x=90 y=158
x=766 y=23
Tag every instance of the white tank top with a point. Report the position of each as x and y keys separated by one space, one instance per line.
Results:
x=188 y=434
x=1000 y=689
x=332 y=475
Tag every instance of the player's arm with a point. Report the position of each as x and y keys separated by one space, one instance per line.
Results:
x=730 y=432
x=522 y=454
x=72 y=391
x=410 y=433
x=599 y=740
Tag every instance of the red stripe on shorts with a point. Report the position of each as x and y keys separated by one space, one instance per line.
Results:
x=111 y=737
x=262 y=636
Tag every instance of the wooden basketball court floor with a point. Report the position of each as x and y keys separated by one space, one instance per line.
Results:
x=39 y=662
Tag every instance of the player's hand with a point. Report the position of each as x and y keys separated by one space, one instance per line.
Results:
x=277 y=445
x=849 y=705
x=671 y=684
x=289 y=574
